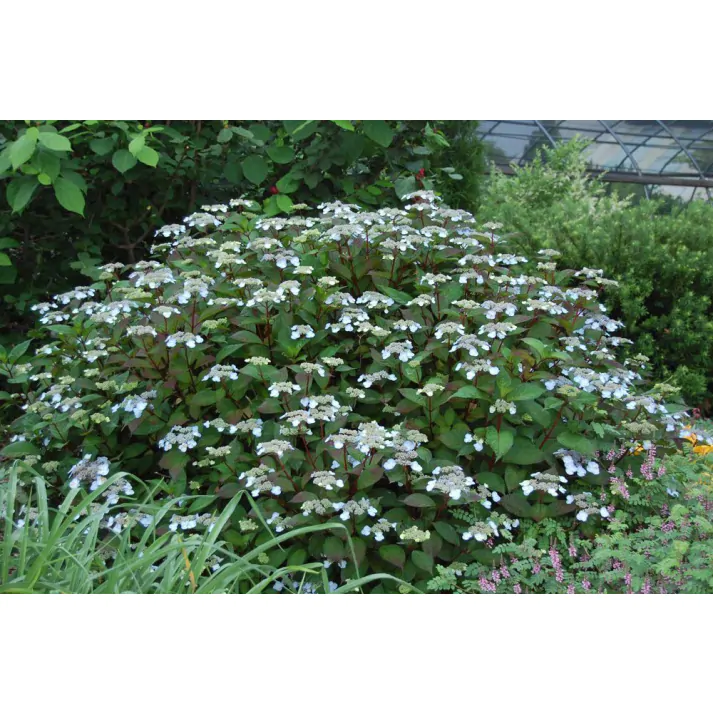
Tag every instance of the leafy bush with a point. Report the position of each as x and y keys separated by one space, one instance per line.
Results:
x=81 y=193
x=399 y=372
x=661 y=253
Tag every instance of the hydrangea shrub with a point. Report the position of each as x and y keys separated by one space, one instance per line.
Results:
x=399 y=371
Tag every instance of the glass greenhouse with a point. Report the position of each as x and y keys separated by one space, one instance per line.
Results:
x=672 y=158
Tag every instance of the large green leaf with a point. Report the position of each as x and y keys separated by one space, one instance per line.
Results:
x=280 y=154
x=123 y=161
x=393 y=554
x=524 y=452
x=255 y=169
x=19 y=191
x=288 y=184
x=48 y=164
x=69 y=196
x=500 y=442
x=20 y=448
x=419 y=500
x=347 y=125
x=19 y=350
x=101 y=147
x=148 y=156
x=526 y=392
x=379 y=131
x=576 y=442
x=447 y=532
x=22 y=149
x=136 y=145
x=55 y=142
x=422 y=560
x=468 y=392
x=224 y=135
x=516 y=504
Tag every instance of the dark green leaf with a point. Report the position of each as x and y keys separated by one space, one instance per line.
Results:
x=19 y=191
x=19 y=350
x=101 y=147
x=393 y=554
x=136 y=145
x=422 y=560
x=224 y=135
x=419 y=500
x=280 y=154
x=148 y=156
x=576 y=442
x=526 y=392
x=123 y=161
x=524 y=452
x=501 y=442
x=468 y=392
x=379 y=131
x=284 y=203
x=69 y=196
x=22 y=149
x=255 y=169
x=20 y=448
x=55 y=142
x=447 y=532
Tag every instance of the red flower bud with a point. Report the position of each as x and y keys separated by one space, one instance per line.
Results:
x=274 y=190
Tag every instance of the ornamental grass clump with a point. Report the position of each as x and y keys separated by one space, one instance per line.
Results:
x=399 y=372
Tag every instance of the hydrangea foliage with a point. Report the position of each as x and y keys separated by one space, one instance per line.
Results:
x=400 y=371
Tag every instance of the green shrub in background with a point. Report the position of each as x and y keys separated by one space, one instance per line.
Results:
x=86 y=192
x=400 y=372
x=661 y=253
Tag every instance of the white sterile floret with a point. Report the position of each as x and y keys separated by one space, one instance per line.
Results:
x=369 y=379
x=375 y=300
x=577 y=464
x=478 y=366
x=502 y=406
x=403 y=350
x=327 y=479
x=302 y=332
x=282 y=387
x=88 y=470
x=478 y=443
x=295 y=418
x=276 y=447
x=354 y=508
x=185 y=437
x=135 y=404
x=450 y=329
x=186 y=338
x=406 y=325
x=185 y=522
x=430 y=390
x=497 y=330
x=451 y=480
x=471 y=344
x=378 y=529
x=549 y=483
x=220 y=372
